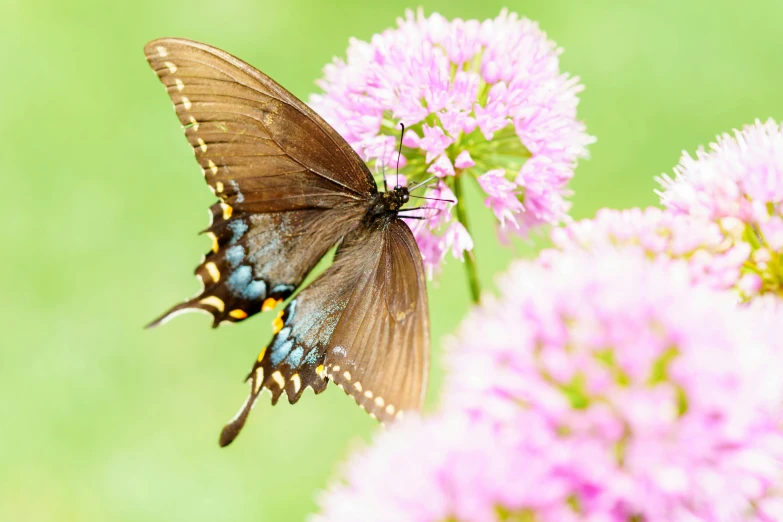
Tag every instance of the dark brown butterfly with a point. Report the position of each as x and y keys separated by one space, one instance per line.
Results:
x=290 y=188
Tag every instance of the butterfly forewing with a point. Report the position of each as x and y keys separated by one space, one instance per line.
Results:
x=261 y=149
x=280 y=171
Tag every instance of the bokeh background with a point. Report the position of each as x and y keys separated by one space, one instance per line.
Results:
x=102 y=420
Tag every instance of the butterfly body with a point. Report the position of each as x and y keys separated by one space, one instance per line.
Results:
x=289 y=189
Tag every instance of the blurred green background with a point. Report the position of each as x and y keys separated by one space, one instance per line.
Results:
x=102 y=420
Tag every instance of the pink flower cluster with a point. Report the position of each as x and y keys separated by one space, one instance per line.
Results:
x=481 y=99
x=599 y=386
x=713 y=256
x=458 y=470
x=738 y=184
x=614 y=379
x=739 y=176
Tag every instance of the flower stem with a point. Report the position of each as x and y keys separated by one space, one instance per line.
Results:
x=470 y=259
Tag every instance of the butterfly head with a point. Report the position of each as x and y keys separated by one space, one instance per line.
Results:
x=391 y=201
x=396 y=198
x=387 y=204
x=401 y=195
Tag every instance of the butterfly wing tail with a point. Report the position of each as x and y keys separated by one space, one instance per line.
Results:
x=292 y=362
x=276 y=379
x=234 y=426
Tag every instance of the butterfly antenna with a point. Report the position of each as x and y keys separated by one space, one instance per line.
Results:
x=399 y=153
x=417 y=185
x=437 y=210
x=383 y=168
x=432 y=199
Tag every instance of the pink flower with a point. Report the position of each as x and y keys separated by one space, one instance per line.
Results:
x=738 y=185
x=713 y=257
x=464 y=161
x=432 y=247
x=475 y=96
x=652 y=385
x=731 y=179
x=459 y=470
x=437 y=214
x=492 y=117
x=602 y=387
x=440 y=204
x=442 y=167
x=502 y=198
x=458 y=240
x=434 y=142
x=411 y=139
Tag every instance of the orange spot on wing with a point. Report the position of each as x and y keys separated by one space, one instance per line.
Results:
x=227 y=211
x=269 y=304
x=215 y=246
x=278 y=322
x=261 y=354
x=238 y=314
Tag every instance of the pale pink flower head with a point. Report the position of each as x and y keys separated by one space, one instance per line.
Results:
x=598 y=387
x=738 y=184
x=502 y=195
x=436 y=216
x=451 y=467
x=477 y=98
x=660 y=399
x=712 y=255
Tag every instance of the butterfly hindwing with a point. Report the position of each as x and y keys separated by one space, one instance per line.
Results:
x=294 y=358
x=363 y=323
x=379 y=352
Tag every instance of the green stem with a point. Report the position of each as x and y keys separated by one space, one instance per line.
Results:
x=470 y=260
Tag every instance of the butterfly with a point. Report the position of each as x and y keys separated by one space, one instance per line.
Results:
x=289 y=189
